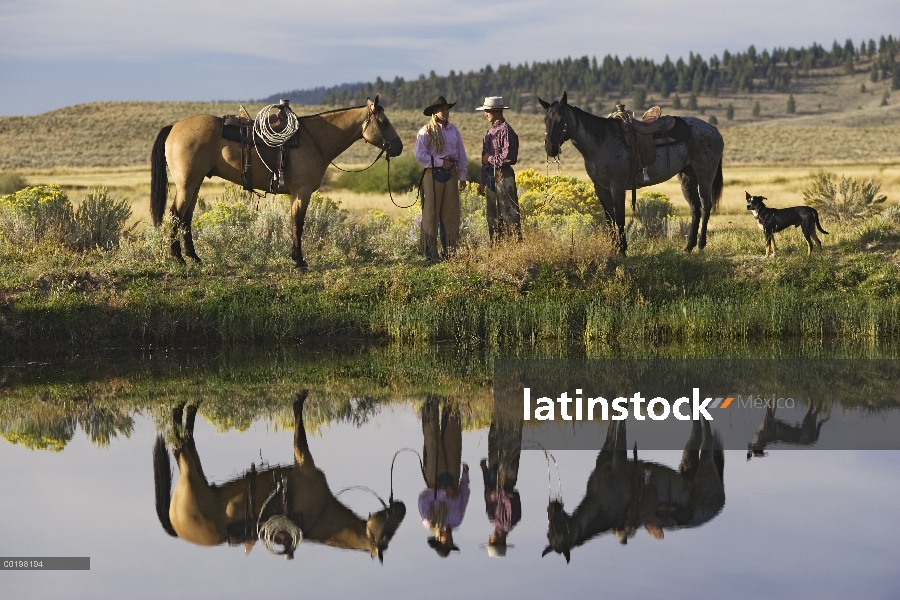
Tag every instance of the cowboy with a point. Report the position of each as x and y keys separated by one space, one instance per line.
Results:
x=439 y=148
x=499 y=152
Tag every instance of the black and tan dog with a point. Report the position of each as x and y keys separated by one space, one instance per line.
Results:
x=773 y=220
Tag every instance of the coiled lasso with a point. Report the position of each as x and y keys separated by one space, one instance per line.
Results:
x=268 y=135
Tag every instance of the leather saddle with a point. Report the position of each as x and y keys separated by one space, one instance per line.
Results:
x=240 y=128
x=644 y=136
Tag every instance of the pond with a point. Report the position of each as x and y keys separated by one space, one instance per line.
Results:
x=800 y=524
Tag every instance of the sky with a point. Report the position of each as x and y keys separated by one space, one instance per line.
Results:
x=55 y=53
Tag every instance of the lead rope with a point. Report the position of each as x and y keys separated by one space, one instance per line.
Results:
x=548 y=456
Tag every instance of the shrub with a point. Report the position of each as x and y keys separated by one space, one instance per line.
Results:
x=100 y=220
x=405 y=175
x=652 y=211
x=847 y=201
x=10 y=183
x=36 y=214
x=560 y=204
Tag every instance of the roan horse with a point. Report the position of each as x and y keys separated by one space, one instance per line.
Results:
x=623 y=494
x=209 y=515
x=194 y=149
x=607 y=160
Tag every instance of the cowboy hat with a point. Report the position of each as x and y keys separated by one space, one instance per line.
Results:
x=493 y=103
x=436 y=103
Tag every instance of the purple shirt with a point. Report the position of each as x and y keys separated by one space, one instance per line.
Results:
x=504 y=509
x=456 y=507
x=501 y=144
x=453 y=148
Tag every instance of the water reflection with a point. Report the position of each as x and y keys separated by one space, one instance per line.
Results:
x=623 y=495
x=500 y=471
x=279 y=505
x=773 y=430
x=442 y=504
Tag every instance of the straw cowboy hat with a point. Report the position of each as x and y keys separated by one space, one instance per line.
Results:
x=493 y=103
x=436 y=103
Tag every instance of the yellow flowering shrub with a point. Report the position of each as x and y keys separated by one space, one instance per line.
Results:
x=558 y=203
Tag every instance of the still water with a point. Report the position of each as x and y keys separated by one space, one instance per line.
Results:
x=798 y=524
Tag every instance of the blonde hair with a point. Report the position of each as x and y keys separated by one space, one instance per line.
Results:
x=435 y=135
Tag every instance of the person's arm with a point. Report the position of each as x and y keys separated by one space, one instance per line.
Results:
x=500 y=148
x=512 y=151
x=463 y=493
x=462 y=161
x=423 y=156
x=425 y=499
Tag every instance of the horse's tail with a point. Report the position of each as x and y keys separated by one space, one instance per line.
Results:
x=162 y=481
x=159 y=180
x=717 y=187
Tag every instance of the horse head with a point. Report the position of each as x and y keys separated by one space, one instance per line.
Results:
x=381 y=527
x=378 y=131
x=556 y=130
x=557 y=531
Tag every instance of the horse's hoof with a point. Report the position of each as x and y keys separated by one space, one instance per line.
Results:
x=302 y=266
x=179 y=258
x=195 y=258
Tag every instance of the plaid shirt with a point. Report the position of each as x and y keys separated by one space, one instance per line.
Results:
x=501 y=144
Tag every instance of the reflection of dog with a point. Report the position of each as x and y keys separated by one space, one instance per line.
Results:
x=773 y=220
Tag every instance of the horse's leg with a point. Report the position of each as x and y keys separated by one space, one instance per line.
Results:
x=690 y=190
x=615 y=211
x=690 y=458
x=706 y=184
x=298 y=216
x=186 y=192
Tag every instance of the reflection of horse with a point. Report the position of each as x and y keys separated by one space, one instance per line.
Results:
x=697 y=162
x=194 y=149
x=209 y=515
x=773 y=430
x=623 y=494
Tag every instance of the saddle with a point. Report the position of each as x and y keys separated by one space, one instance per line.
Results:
x=241 y=128
x=644 y=136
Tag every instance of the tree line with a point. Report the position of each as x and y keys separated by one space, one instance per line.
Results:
x=589 y=81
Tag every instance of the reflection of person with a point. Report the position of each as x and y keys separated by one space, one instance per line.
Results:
x=440 y=150
x=442 y=505
x=500 y=471
x=499 y=151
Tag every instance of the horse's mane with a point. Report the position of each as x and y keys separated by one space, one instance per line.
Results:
x=328 y=112
x=598 y=127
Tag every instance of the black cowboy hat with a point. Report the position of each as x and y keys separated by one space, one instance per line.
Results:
x=436 y=103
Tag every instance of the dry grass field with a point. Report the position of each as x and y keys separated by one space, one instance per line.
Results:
x=837 y=127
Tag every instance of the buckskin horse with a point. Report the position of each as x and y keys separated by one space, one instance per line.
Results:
x=194 y=149
x=624 y=494
x=608 y=162
x=209 y=515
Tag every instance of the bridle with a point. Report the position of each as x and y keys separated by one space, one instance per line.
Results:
x=371 y=118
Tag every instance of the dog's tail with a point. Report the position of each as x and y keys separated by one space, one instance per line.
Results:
x=819 y=225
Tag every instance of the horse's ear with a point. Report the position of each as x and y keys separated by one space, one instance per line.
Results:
x=376 y=100
x=563 y=100
x=544 y=105
x=546 y=551
x=380 y=556
x=566 y=554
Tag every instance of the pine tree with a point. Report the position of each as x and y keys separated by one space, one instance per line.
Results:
x=756 y=109
x=713 y=120
x=692 y=102
x=791 y=105
x=676 y=102
x=729 y=112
